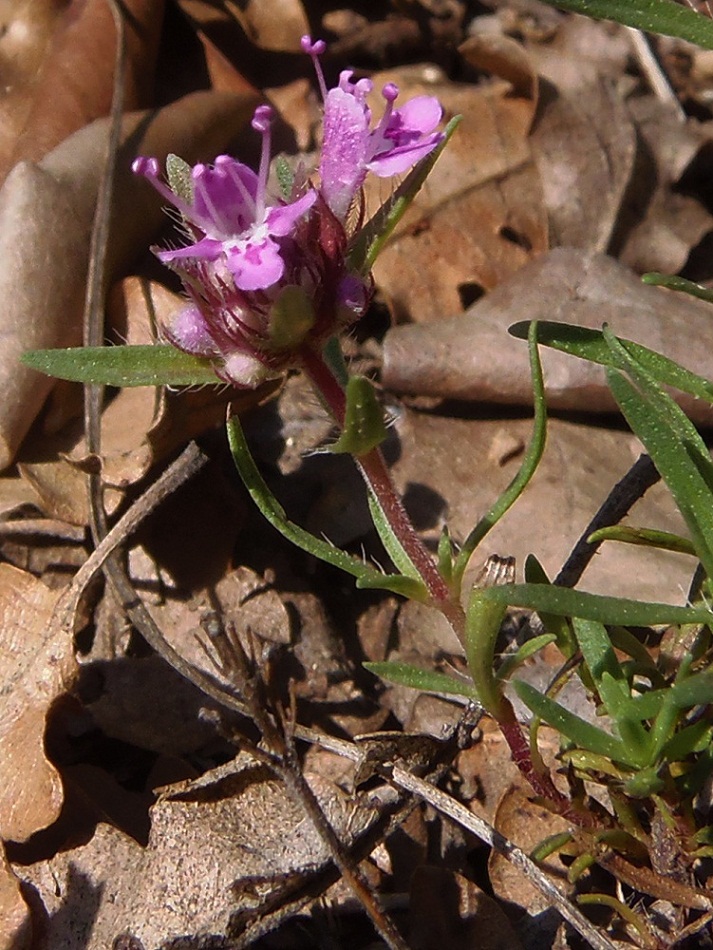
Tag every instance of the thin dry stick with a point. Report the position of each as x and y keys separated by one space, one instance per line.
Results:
x=486 y=833
x=641 y=476
x=284 y=762
x=93 y=336
x=653 y=73
x=188 y=463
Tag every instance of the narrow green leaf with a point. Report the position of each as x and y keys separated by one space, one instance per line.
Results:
x=396 y=583
x=696 y=690
x=527 y=469
x=528 y=649
x=482 y=626
x=647 y=537
x=573 y=727
x=428 y=681
x=364 y=426
x=632 y=733
x=560 y=626
x=688 y=741
x=597 y=651
x=154 y=365
x=680 y=284
x=666 y=408
x=671 y=457
x=590 y=345
x=274 y=512
x=653 y=16
x=566 y=602
x=399 y=558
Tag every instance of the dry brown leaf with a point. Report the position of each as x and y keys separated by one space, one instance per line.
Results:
x=480 y=215
x=14 y=912
x=276 y=25
x=669 y=222
x=580 y=466
x=526 y=825
x=64 y=70
x=217 y=845
x=46 y=214
x=448 y=910
x=38 y=667
x=585 y=147
x=471 y=356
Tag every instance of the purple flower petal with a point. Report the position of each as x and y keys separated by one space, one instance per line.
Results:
x=281 y=219
x=207 y=249
x=256 y=265
x=344 y=149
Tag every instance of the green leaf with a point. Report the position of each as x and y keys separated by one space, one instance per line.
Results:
x=364 y=426
x=653 y=16
x=482 y=626
x=672 y=457
x=597 y=651
x=669 y=411
x=647 y=537
x=566 y=602
x=399 y=558
x=428 y=681
x=367 y=576
x=401 y=584
x=680 y=284
x=590 y=345
x=645 y=783
x=372 y=238
x=536 y=574
x=154 y=365
x=573 y=727
x=527 y=469
x=688 y=741
x=528 y=649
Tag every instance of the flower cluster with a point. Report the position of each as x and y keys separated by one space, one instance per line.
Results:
x=264 y=276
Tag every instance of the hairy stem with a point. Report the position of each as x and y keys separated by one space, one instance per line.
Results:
x=377 y=476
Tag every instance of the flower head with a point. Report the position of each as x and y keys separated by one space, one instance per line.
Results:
x=230 y=217
x=351 y=149
x=266 y=278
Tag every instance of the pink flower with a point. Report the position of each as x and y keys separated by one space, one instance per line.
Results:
x=267 y=278
x=350 y=149
x=235 y=228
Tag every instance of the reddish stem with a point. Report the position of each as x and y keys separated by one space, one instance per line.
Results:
x=377 y=476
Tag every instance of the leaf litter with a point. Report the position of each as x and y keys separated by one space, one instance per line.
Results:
x=127 y=809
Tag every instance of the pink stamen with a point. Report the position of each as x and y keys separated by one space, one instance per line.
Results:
x=262 y=121
x=149 y=169
x=228 y=165
x=315 y=50
x=199 y=185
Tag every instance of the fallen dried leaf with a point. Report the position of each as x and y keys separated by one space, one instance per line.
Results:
x=526 y=824
x=74 y=84
x=39 y=665
x=217 y=845
x=580 y=466
x=482 y=204
x=46 y=214
x=471 y=356
x=448 y=910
